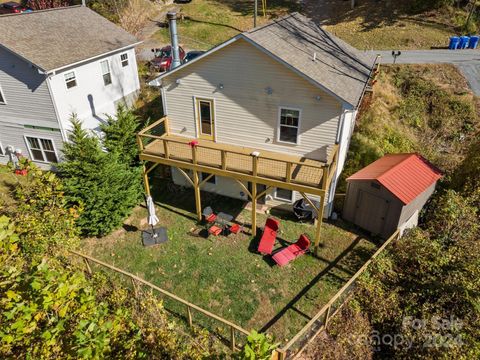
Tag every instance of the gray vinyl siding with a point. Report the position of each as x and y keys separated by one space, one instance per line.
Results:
x=14 y=135
x=245 y=114
x=26 y=93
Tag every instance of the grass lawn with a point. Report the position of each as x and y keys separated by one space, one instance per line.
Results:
x=371 y=25
x=390 y=24
x=225 y=274
x=209 y=22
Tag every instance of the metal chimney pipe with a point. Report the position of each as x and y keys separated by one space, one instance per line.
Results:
x=172 y=24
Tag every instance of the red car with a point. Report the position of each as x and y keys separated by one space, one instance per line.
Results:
x=163 y=58
x=12 y=7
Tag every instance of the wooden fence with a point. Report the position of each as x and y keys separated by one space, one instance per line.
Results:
x=305 y=336
x=319 y=322
x=189 y=307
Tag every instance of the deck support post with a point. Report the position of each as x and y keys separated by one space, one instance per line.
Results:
x=198 y=202
x=254 y=209
x=319 y=223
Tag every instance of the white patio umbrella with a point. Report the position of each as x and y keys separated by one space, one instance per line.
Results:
x=152 y=217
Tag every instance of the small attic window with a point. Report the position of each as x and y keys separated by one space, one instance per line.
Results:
x=375 y=185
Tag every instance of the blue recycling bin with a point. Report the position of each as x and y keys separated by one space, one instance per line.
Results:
x=463 y=42
x=454 y=41
x=473 y=43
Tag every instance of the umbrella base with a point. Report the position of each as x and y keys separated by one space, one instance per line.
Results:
x=155 y=236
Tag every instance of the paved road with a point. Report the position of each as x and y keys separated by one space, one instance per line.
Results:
x=468 y=61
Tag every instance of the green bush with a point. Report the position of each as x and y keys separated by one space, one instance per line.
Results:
x=51 y=310
x=43 y=219
x=99 y=182
x=259 y=346
x=120 y=135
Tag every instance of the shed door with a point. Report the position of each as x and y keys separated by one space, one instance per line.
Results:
x=371 y=212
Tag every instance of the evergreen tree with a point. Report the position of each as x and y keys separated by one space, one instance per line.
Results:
x=120 y=135
x=104 y=186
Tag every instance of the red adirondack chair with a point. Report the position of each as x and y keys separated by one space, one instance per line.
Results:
x=291 y=252
x=215 y=230
x=268 y=237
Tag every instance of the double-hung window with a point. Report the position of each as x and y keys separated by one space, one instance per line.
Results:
x=42 y=149
x=289 y=125
x=70 y=80
x=124 y=59
x=107 y=77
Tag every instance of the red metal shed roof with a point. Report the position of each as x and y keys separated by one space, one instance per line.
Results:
x=405 y=175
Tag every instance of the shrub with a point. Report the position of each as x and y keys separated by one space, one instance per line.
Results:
x=120 y=135
x=98 y=181
x=43 y=218
x=259 y=346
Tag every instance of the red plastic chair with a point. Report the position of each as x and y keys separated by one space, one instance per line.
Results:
x=234 y=229
x=211 y=218
x=284 y=256
x=215 y=230
x=269 y=236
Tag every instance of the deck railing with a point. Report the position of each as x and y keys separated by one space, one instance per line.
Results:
x=189 y=307
x=243 y=161
x=319 y=322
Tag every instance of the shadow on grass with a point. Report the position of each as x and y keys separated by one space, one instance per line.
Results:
x=291 y=304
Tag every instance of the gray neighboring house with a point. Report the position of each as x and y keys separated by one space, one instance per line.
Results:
x=54 y=63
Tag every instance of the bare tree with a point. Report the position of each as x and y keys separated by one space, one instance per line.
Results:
x=47 y=4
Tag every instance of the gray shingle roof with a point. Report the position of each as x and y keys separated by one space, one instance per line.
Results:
x=338 y=67
x=54 y=38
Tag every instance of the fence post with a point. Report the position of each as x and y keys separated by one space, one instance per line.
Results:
x=232 y=337
x=289 y=172
x=87 y=264
x=165 y=149
x=135 y=289
x=189 y=316
x=224 y=159
x=327 y=316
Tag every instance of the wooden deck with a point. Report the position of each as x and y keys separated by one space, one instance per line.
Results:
x=270 y=165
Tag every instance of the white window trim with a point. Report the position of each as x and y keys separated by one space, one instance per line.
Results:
x=65 y=80
x=214 y=177
x=290 y=201
x=127 y=60
x=44 y=138
x=2 y=149
x=109 y=72
x=195 y=114
x=299 y=125
x=4 y=102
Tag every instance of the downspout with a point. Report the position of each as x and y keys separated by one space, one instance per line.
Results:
x=172 y=23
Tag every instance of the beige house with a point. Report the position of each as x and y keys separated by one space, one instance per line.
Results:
x=289 y=90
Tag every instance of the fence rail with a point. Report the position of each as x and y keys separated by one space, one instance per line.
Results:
x=319 y=322
x=234 y=329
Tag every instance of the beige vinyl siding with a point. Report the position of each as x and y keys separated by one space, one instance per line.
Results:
x=245 y=114
x=27 y=97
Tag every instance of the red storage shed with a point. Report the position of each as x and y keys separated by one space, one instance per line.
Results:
x=389 y=193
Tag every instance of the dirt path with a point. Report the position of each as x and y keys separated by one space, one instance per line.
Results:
x=150 y=28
